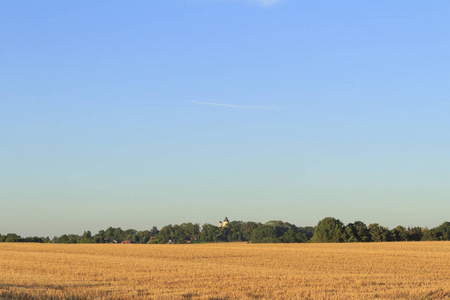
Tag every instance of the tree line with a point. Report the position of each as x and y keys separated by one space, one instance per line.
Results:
x=331 y=230
x=328 y=230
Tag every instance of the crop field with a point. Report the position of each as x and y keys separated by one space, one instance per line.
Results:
x=405 y=270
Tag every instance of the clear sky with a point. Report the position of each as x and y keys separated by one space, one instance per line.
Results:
x=141 y=113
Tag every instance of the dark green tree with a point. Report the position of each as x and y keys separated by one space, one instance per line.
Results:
x=329 y=230
x=428 y=234
x=34 y=239
x=223 y=234
x=306 y=233
x=13 y=238
x=350 y=234
x=247 y=229
x=87 y=234
x=399 y=234
x=235 y=234
x=379 y=233
x=264 y=234
x=414 y=233
x=290 y=236
x=443 y=231
x=63 y=239
x=209 y=233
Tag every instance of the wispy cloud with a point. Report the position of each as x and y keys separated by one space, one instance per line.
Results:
x=235 y=106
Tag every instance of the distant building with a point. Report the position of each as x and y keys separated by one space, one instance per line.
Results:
x=224 y=223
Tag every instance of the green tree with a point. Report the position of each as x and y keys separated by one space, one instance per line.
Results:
x=209 y=233
x=73 y=238
x=235 y=234
x=223 y=234
x=379 y=233
x=143 y=237
x=164 y=235
x=399 y=234
x=284 y=232
x=329 y=230
x=191 y=231
x=34 y=239
x=290 y=236
x=247 y=229
x=305 y=233
x=114 y=234
x=414 y=233
x=350 y=234
x=443 y=231
x=63 y=239
x=13 y=238
x=129 y=235
x=362 y=232
x=428 y=235
x=99 y=240
x=264 y=234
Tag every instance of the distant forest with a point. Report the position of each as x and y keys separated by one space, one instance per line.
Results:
x=328 y=230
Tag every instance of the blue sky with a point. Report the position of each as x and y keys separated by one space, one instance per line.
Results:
x=163 y=112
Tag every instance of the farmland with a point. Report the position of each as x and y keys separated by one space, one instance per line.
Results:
x=408 y=270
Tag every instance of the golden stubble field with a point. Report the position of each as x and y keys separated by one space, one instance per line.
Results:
x=408 y=270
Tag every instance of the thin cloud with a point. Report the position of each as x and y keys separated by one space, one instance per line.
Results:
x=234 y=106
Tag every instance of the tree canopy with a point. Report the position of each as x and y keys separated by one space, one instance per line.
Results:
x=328 y=230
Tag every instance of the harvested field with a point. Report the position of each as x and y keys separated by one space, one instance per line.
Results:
x=406 y=270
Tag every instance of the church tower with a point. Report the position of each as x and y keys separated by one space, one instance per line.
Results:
x=225 y=222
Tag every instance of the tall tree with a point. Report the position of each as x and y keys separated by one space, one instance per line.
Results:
x=443 y=231
x=329 y=230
